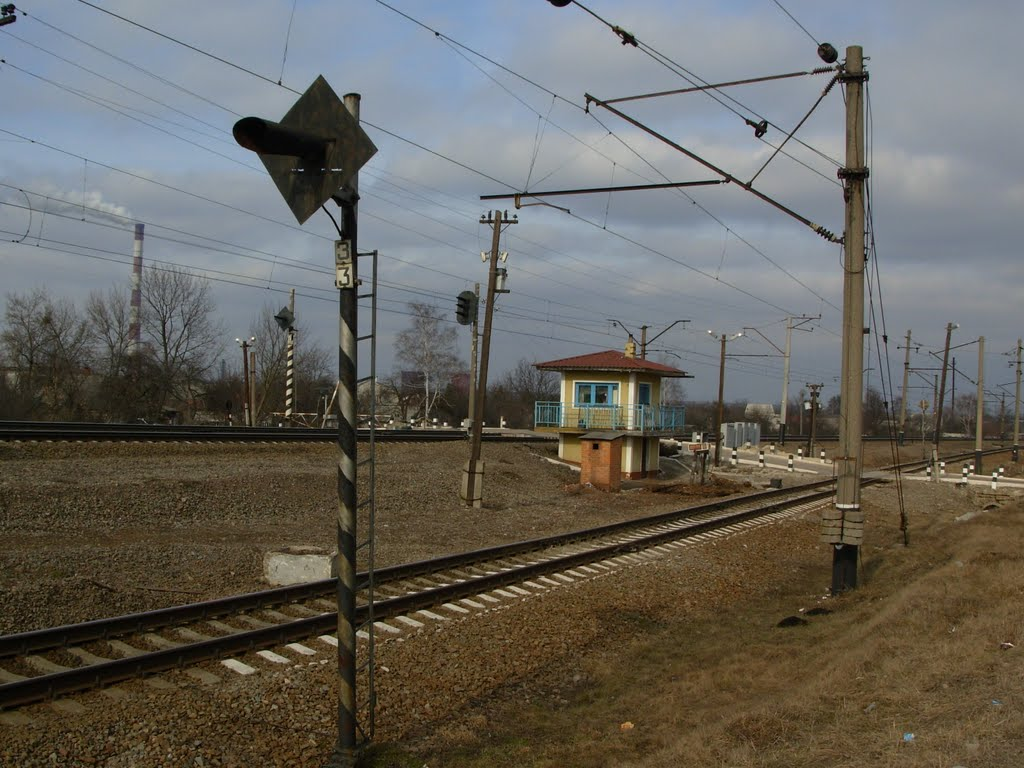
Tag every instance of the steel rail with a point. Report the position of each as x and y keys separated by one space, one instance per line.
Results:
x=81 y=431
x=43 y=687
x=53 y=638
x=76 y=679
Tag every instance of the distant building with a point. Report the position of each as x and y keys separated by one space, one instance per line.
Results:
x=613 y=396
x=762 y=413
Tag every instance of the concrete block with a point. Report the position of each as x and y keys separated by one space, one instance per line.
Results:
x=298 y=565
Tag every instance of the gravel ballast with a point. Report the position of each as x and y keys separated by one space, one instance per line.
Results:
x=97 y=530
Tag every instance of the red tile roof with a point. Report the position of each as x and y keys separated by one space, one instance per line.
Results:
x=611 y=360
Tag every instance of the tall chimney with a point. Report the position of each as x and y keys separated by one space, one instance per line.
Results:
x=135 y=327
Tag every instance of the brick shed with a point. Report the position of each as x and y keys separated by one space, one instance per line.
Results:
x=601 y=460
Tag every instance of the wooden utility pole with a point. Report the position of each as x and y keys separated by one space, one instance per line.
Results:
x=843 y=526
x=1016 y=410
x=246 y=399
x=939 y=398
x=252 y=388
x=723 y=338
x=472 y=477
x=475 y=326
x=979 y=422
x=903 y=398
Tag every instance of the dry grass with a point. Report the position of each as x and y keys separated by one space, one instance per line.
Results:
x=916 y=650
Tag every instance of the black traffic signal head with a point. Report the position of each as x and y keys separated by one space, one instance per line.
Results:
x=465 y=307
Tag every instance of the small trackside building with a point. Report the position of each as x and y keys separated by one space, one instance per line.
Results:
x=617 y=395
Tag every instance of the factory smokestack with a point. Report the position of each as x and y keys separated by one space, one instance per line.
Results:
x=135 y=327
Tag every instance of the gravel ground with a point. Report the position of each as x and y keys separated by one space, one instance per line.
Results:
x=95 y=530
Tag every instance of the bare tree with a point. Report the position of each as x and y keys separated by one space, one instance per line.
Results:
x=109 y=318
x=47 y=344
x=427 y=349
x=515 y=393
x=271 y=347
x=400 y=395
x=130 y=384
x=966 y=410
x=672 y=390
x=876 y=413
x=177 y=321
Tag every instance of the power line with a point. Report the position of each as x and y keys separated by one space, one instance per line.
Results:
x=610 y=132
x=394 y=135
x=119 y=84
x=132 y=65
x=791 y=16
x=112 y=106
x=727 y=229
x=695 y=80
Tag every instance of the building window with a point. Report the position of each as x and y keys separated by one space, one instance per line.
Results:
x=643 y=395
x=596 y=394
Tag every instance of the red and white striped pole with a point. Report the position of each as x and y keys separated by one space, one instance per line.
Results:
x=135 y=316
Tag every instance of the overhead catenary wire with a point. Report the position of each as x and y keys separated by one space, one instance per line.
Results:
x=554 y=95
x=793 y=19
x=266 y=79
x=706 y=88
x=389 y=222
x=727 y=229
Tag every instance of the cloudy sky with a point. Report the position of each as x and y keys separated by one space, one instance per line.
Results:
x=120 y=111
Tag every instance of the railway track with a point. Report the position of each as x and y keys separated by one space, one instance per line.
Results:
x=42 y=431
x=49 y=663
x=45 y=664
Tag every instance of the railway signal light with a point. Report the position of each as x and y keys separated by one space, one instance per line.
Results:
x=315 y=149
x=285 y=319
x=466 y=307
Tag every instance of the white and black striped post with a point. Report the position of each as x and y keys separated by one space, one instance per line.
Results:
x=289 y=383
x=348 y=311
x=289 y=386
x=942 y=469
x=346 y=486
x=320 y=129
x=995 y=480
x=734 y=458
x=760 y=459
x=789 y=463
x=963 y=475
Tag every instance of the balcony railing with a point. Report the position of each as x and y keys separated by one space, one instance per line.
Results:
x=630 y=418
